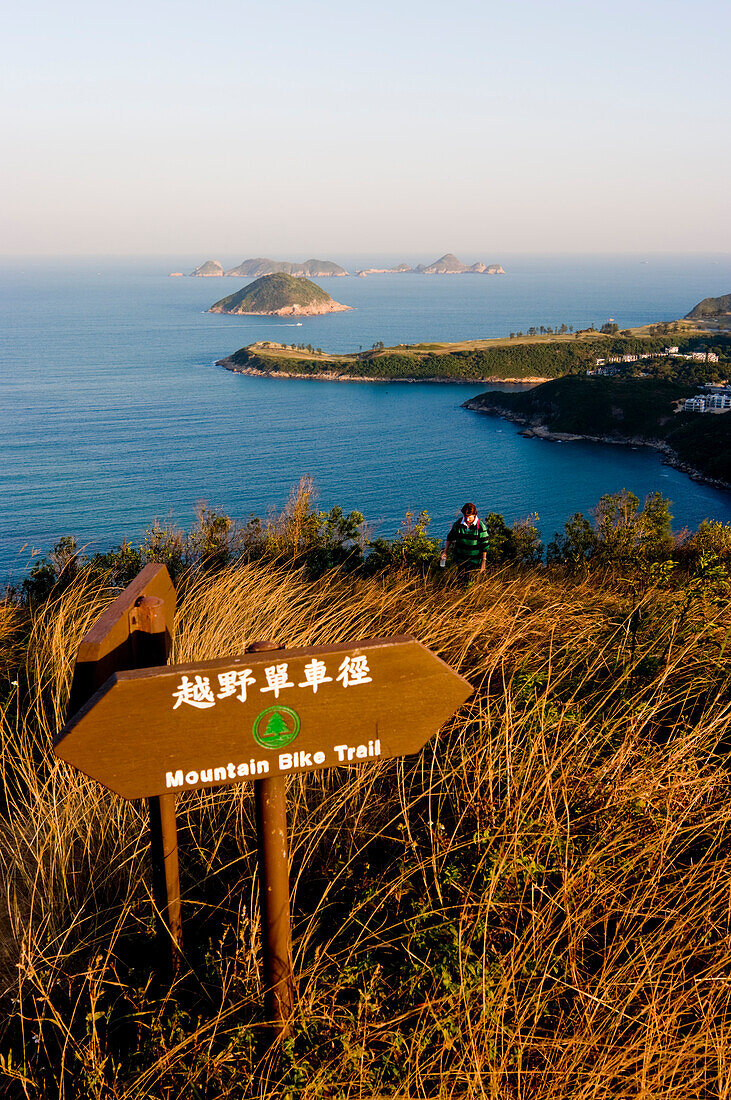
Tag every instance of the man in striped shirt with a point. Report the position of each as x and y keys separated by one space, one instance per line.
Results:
x=467 y=541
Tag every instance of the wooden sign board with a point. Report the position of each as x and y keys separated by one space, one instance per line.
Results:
x=108 y=646
x=214 y=723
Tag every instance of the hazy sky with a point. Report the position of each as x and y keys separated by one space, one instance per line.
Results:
x=408 y=126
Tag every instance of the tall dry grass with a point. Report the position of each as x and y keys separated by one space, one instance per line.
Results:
x=537 y=905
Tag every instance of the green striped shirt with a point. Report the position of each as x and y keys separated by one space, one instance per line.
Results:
x=468 y=542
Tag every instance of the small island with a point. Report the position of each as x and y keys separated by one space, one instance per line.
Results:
x=279 y=295
x=210 y=269
x=445 y=265
x=313 y=269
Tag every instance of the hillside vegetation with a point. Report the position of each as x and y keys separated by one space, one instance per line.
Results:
x=272 y=293
x=527 y=357
x=535 y=905
x=711 y=307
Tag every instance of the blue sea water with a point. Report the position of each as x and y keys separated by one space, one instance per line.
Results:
x=112 y=411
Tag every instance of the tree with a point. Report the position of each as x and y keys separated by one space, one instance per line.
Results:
x=625 y=534
x=578 y=544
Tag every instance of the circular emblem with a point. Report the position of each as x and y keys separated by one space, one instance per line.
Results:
x=276 y=727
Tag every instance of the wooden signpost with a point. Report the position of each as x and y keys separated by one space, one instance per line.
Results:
x=136 y=631
x=114 y=643
x=153 y=732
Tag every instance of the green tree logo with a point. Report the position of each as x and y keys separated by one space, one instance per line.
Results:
x=276 y=727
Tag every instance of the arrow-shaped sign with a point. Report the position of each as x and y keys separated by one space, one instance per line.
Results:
x=179 y=727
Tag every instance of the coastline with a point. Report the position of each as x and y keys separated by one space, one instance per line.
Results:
x=332 y=376
x=286 y=311
x=540 y=431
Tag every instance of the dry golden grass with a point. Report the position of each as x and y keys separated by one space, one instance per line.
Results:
x=284 y=351
x=537 y=905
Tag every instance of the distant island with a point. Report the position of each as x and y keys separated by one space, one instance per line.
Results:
x=712 y=309
x=313 y=269
x=211 y=268
x=323 y=269
x=254 y=268
x=445 y=265
x=279 y=295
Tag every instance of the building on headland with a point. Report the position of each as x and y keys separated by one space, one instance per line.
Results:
x=605 y=367
x=708 y=403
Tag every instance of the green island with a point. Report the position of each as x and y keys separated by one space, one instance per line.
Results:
x=280 y=295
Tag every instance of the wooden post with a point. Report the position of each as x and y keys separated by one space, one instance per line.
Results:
x=276 y=932
x=270 y=798
x=148 y=640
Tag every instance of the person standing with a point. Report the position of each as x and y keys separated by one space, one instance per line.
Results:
x=467 y=541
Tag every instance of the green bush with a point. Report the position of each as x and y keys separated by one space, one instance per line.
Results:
x=413 y=547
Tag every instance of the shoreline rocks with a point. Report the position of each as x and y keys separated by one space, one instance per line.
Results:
x=333 y=376
x=536 y=430
x=286 y=311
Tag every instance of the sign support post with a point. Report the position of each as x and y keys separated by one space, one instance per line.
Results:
x=270 y=802
x=276 y=931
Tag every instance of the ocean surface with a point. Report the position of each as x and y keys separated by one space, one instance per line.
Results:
x=112 y=411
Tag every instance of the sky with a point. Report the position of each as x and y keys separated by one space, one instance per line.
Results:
x=403 y=127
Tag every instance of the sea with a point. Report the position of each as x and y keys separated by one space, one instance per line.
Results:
x=114 y=414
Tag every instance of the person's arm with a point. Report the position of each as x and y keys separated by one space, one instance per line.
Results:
x=445 y=551
x=483 y=543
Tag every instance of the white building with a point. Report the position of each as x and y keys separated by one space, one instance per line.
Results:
x=710 y=402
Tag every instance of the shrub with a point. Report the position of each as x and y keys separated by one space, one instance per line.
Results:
x=413 y=547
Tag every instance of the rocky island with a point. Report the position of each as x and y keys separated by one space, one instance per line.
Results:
x=211 y=268
x=313 y=269
x=445 y=265
x=279 y=295
x=260 y=265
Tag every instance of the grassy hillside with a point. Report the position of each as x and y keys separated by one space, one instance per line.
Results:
x=711 y=307
x=521 y=357
x=534 y=905
x=273 y=292
x=621 y=409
